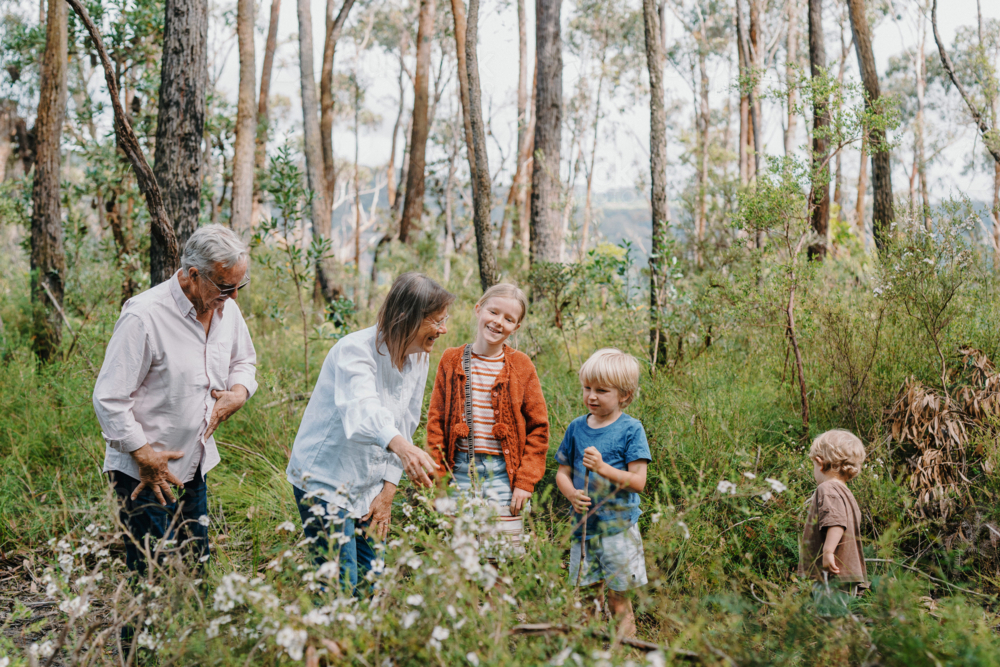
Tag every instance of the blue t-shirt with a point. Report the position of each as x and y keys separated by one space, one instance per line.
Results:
x=619 y=443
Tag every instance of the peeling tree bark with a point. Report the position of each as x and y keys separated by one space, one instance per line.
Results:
x=546 y=187
x=482 y=194
x=820 y=201
x=413 y=205
x=658 y=176
x=48 y=261
x=246 y=122
x=180 y=123
x=882 y=213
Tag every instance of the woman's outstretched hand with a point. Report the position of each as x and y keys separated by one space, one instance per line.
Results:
x=380 y=511
x=416 y=462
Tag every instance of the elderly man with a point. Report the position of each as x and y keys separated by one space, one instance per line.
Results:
x=180 y=361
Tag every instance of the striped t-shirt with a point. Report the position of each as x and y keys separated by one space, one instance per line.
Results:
x=484 y=374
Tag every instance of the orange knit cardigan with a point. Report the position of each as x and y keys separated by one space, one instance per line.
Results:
x=522 y=420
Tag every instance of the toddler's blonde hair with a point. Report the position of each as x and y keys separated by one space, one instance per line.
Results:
x=841 y=451
x=610 y=367
x=506 y=291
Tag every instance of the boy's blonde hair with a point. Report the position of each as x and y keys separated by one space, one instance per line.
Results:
x=506 y=291
x=610 y=367
x=841 y=451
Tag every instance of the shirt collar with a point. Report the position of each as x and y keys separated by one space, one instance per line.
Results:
x=184 y=303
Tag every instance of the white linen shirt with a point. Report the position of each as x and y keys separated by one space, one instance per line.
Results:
x=158 y=376
x=360 y=403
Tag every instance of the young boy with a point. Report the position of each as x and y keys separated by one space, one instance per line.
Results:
x=831 y=541
x=611 y=447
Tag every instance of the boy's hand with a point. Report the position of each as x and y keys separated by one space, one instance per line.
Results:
x=580 y=501
x=830 y=563
x=592 y=459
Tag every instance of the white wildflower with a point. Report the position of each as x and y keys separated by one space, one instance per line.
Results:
x=51 y=590
x=286 y=526
x=470 y=656
x=451 y=610
x=656 y=659
x=749 y=475
x=726 y=487
x=560 y=658
x=438 y=635
x=507 y=598
x=414 y=563
x=292 y=640
x=656 y=517
x=213 y=628
x=776 y=486
x=415 y=600
x=91 y=528
x=43 y=650
x=407 y=509
x=76 y=607
x=204 y=520
x=4 y=661
x=766 y=496
x=684 y=527
x=446 y=505
x=409 y=618
x=410 y=528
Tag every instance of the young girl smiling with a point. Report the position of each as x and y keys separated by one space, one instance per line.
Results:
x=491 y=433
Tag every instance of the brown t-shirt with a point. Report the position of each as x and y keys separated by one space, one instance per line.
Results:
x=833 y=504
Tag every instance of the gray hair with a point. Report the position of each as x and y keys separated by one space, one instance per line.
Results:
x=211 y=245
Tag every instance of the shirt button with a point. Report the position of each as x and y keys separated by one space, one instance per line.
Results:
x=506 y=451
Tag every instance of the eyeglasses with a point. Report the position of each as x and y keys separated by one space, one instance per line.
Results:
x=229 y=291
x=440 y=323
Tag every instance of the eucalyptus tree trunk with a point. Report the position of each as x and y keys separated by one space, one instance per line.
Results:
x=390 y=169
x=246 y=121
x=334 y=26
x=461 y=30
x=48 y=260
x=265 y=84
x=791 y=60
x=882 y=213
x=315 y=171
x=546 y=188
x=658 y=175
x=180 y=124
x=482 y=195
x=413 y=205
x=745 y=131
x=820 y=202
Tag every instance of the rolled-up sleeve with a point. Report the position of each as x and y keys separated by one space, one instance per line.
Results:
x=126 y=363
x=243 y=360
x=356 y=399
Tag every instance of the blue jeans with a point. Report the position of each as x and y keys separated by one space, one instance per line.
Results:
x=356 y=554
x=146 y=516
x=491 y=480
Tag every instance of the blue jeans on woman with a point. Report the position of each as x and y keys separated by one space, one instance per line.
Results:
x=356 y=554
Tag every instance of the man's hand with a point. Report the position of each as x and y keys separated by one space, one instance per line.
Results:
x=380 y=511
x=154 y=473
x=416 y=462
x=592 y=459
x=226 y=403
x=830 y=563
x=580 y=501
x=518 y=501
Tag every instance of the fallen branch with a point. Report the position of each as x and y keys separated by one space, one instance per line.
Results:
x=159 y=221
x=69 y=326
x=539 y=629
x=288 y=399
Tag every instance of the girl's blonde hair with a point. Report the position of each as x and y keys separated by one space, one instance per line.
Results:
x=610 y=367
x=841 y=451
x=506 y=291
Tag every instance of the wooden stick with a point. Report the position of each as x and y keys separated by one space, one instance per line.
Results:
x=159 y=221
x=583 y=542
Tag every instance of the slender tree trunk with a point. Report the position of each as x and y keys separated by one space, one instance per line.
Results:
x=315 y=170
x=522 y=72
x=745 y=132
x=791 y=60
x=449 y=210
x=413 y=205
x=48 y=260
x=334 y=26
x=546 y=188
x=397 y=206
x=518 y=195
x=919 y=138
x=246 y=122
x=756 y=58
x=180 y=123
x=482 y=195
x=882 y=214
x=821 y=120
x=390 y=170
x=658 y=176
x=265 y=84
x=461 y=27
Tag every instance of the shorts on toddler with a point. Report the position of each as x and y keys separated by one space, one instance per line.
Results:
x=618 y=559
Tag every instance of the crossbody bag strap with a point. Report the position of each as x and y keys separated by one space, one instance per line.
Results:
x=467 y=367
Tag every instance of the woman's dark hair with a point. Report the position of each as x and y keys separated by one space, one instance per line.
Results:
x=412 y=298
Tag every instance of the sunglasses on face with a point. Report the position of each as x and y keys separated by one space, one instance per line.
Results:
x=227 y=290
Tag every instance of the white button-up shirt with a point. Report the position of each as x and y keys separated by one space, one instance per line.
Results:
x=360 y=403
x=158 y=376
